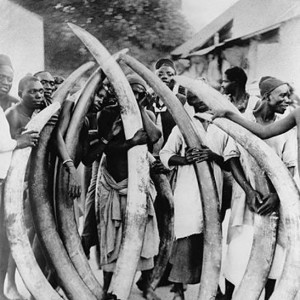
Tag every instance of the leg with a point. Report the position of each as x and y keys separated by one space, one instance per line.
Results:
x=229 y=289
x=148 y=291
x=269 y=288
x=4 y=248
x=178 y=290
x=106 y=280
x=11 y=287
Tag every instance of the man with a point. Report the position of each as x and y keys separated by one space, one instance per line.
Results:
x=221 y=152
x=31 y=94
x=6 y=79
x=274 y=94
x=7 y=145
x=234 y=86
x=48 y=83
x=113 y=182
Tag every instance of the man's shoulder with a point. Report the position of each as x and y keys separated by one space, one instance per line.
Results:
x=7 y=101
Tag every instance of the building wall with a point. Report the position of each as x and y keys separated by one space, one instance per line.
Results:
x=22 y=39
x=280 y=59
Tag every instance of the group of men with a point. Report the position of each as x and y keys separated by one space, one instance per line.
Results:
x=104 y=147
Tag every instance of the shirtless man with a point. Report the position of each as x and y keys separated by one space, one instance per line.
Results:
x=6 y=79
x=48 y=82
x=31 y=94
x=114 y=178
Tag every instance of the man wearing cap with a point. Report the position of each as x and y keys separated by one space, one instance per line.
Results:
x=112 y=189
x=274 y=94
x=6 y=79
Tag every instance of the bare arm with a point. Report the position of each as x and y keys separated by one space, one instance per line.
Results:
x=266 y=131
x=252 y=197
x=152 y=130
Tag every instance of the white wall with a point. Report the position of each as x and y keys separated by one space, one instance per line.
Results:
x=22 y=39
x=281 y=59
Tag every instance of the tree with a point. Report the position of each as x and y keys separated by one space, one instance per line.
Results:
x=149 y=28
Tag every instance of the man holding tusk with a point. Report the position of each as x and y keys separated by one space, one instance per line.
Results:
x=31 y=94
x=221 y=152
x=274 y=93
x=112 y=189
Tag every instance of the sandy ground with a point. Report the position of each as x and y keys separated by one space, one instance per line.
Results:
x=163 y=292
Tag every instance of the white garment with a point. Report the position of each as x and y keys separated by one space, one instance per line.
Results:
x=240 y=231
x=7 y=145
x=188 y=215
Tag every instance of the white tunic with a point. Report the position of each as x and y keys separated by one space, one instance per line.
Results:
x=188 y=215
x=7 y=145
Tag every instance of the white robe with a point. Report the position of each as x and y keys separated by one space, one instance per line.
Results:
x=188 y=214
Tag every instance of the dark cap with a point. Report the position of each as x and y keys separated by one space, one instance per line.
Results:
x=166 y=62
x=267 y=84
x=5 y=60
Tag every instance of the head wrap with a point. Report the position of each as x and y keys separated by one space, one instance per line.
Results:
x=166 y=62
x=5 y=60
x=136 y=79
x=267 y=84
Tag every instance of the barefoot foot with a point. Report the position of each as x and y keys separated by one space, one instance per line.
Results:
x=149 y=294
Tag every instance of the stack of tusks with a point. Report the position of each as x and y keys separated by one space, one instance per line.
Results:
x=63 y=248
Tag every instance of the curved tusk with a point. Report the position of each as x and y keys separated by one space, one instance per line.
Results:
x=65 y=210
x=40 y=189
x=289 y=283
x=138 y=173
x=212 y=227
x=166 y=235
x=22 y=253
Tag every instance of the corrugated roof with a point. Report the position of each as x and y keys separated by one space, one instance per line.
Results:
x=249 y=16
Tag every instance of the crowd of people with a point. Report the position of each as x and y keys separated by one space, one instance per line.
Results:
x=103 y=151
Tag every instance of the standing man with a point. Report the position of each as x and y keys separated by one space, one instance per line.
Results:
x=113 y=192
x=48 y=82
x=31 y=95
x=7 y=145
x=6 y=79
x=274 y=94
x=234 y=86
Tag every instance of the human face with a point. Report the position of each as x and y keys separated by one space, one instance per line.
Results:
x=198 y=105
x=278 y=98
x=228 y=87
x=48 y=83
x=6 y=79
x=33 y=95
x=166 y=74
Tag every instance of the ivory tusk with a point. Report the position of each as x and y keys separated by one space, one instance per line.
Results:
x=40 y=188
x=212 y=227
x=289 y=283
x=138 y=179
x=65 y=211
x=22 y=253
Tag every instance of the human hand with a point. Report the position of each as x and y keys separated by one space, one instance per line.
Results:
x=74 y=187
x=106 y=120
x=27 y=139
x=270 y=204
x=253 y=200
x=220 y=113
x=140 y=137
x=158 y=168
